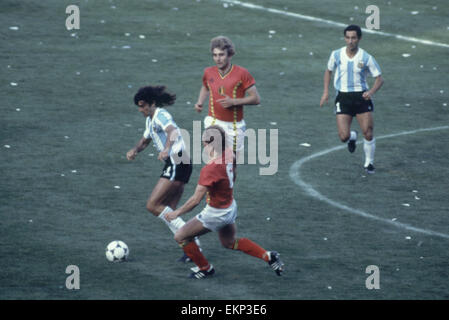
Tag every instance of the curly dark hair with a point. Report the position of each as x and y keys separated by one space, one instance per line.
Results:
x=157 y=94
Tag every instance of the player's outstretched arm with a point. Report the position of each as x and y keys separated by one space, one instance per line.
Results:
x=326 y=82
x=204 y=93
x=190 y=204
x=141 y=145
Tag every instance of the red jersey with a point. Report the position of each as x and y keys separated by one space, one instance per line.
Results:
x=233 y=84
x=218 y=176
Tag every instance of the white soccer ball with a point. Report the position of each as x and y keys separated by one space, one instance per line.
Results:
x=117 y=251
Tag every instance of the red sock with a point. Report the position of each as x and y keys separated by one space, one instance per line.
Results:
x=193 y=252
x=251 y=248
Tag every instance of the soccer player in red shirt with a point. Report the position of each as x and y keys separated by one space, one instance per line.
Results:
x=229 y=87
x=217 y=179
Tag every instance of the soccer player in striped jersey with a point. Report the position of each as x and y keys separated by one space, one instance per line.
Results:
x=217 y=179
x=229 y=87
x=163 y=131
x=352 y=64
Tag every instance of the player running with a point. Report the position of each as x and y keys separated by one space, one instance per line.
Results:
x=163 y=131
x=352 y=64
x=217 y=179
x=229 y=87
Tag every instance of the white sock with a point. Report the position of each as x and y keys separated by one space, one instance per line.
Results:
x=369 y=147
x=175 y=224
x=197 y=241
x=353 y=135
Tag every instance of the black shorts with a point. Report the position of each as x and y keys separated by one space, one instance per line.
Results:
x=352 y=103
x=176 y=172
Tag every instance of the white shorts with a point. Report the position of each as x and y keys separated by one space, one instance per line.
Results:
x=214 y=219
x=235 y=136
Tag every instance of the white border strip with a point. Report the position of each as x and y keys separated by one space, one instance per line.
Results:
x=334 y=23
x=295 y=175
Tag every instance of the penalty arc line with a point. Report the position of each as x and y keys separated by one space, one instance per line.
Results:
x=294 y=169
x=334 y=23
x=295 y=175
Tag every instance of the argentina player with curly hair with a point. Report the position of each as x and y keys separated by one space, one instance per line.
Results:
x=164 y=132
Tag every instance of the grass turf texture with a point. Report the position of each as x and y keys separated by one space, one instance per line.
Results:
x=77 y=120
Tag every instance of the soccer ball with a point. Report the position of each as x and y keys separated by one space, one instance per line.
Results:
x=117 y=251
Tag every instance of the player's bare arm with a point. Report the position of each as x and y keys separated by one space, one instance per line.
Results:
x=252 y=98
x=326 y=82
x=172 y=135
x=141 y=145
x=190 y=204
x=376 y=86
x=204 y=93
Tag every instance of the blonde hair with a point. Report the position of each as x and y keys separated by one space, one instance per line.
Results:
x=222 y=43
x=216 y=136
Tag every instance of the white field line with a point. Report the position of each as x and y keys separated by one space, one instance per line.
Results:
x=295 y=175
x=334 y=23
x=295 y=168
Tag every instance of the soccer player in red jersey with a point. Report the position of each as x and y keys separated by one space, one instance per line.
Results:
x=229 y=87
x=217 y=179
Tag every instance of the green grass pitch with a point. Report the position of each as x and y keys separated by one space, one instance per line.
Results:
x=68 y=119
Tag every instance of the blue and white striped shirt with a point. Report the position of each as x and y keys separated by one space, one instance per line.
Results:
x=155 y=129
x=350 y=75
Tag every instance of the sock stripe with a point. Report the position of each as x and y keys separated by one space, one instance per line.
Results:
x=236 y=245
x=183 y=244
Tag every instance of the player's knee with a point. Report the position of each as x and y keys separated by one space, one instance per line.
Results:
x=228 y=244
x=179 y=238
x=344 y=137
x=152 y=208
x=368 y=134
